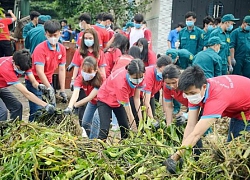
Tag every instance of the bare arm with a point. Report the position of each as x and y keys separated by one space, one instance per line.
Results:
x=42 y=76
x=137 y=102
x=192 y=121
x=195 y=135
x=33 y=80
x=130 y=117
x=169 y=45
x=168 y=108
x=29 y=95
x=75 y=72
x=146 y=102
x=92 y=94
x=12 y=15
x=103 y=72
x=232 y=50
x=74 y=97
x=62 y=74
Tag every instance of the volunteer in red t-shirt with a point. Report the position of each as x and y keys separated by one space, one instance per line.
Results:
x=147 y=55
x=101 y=29
x=11 y=68
x=114 y=95
x=46 y=57
x=125 y=59
x=5 y=45
x=90 y=81
x=153 y=83
x=171 y=76
x=118 y=47
x=89 y=47
x=219 y=96
x=84 y=24
x=147 y=35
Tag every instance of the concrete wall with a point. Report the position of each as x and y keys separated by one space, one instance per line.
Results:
x=159 y=22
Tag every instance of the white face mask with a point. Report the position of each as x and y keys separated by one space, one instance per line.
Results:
x=194 y=99
x=53 y=40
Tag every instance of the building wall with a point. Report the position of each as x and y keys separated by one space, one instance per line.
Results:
x=159 y=22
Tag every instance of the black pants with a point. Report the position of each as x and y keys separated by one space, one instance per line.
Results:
x=9 y=102
x=81 y=109
x=134 y=110
x=5 y=48
x=105 y=113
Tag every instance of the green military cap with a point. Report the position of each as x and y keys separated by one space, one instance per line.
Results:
x=214 y=40
x=228 y=17
x=173 y=53
x=44 y=18
x=247 y=19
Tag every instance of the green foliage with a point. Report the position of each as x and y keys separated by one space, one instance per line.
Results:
x=71 y=9
x=1 y=12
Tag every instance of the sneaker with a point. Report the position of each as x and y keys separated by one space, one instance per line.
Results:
x=115 y=128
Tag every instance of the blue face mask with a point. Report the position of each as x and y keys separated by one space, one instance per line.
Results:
x=168 y=87
x=137 y=26
x=136 y=81
x=210 y=27
x=190 y=23
x=247 y=28
x=88 y=42
x=88 y=76
x=159 y=76
x=230 y=28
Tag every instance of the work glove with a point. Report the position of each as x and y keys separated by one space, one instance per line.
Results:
x=72 y=85
x=50 y=108
x=180 y=120
x=68 y=111
x=64 y=97
x=172 y=165
x=233 y=62
x=230 y=69
x=52 y=97
x=177 y=44
x=42 y=88
x=69 y=68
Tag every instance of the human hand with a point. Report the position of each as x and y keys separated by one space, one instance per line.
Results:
x=233 y=62
x=182 y=119
x=230 y=69
x=64 y=97
x=68 y=111
x=50 y=108
x=72 y=85
x=177 y=44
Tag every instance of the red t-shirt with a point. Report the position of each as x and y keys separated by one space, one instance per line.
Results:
x=116 y=90
x=87 y=88
x=78 y=59
x=170 y=94
x=121 y=62
x=148 y=36
x=80 y=37
x=151 y=58
x=111 y=32
x=104 y=35
x=226 y=95
x=111 y=57
x=49 y=58
x=151 y=84
x=4 y=29
x=8 y=76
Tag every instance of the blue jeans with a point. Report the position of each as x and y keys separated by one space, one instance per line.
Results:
x=87 y=120
x=236 y=126
x=33 y=106
x=95 y=127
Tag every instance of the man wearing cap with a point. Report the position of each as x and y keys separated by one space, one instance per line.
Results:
x=36 y=35
x=223 y=33
x=137 y=31
x=191 y=37
x=240 y=48
x=209 y=60
x=181 y=57
x=32 y=24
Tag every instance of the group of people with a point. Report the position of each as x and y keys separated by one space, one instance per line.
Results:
x=116 y=72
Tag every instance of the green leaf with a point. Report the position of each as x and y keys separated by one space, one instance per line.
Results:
x=48 y=163
x=107 y=176
x=48 y=150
